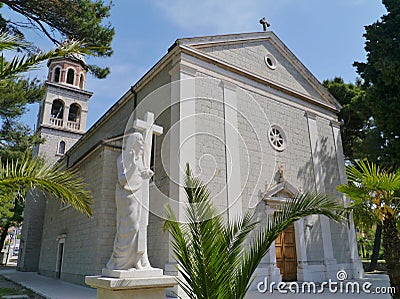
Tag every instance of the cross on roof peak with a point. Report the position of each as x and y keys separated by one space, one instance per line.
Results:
x=265 y=24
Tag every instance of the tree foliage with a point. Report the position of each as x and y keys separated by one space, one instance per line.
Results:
x=382 y=81
x=360 y=137
x=16 y=139
x=58 y=20
x=17 y=94
x=212 y=255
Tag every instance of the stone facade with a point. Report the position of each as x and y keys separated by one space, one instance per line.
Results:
x=217 y=99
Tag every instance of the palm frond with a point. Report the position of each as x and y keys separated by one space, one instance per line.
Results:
x=298 y=207
x=11 y=42
x=214 y=257
x=24 y=63
x=30 y=174
x=371 y=186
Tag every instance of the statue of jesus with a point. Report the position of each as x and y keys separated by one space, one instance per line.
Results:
x=127 y=253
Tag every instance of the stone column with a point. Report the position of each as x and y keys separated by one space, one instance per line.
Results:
x=330 y=262
x=354 y=257
x=232 y=156
x=182 y=132
x=303 y=272
x=65 y=116
x=182 y=142
x=46 y=112
x=82 y=119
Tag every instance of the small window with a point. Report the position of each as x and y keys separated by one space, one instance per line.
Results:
x=270 y=61
x=57 y=109
x=70 y=76
x=57 y=73
x=61 y=148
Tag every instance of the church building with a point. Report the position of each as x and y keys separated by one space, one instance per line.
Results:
x=249 y=118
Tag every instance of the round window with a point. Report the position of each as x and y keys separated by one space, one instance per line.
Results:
x=270 y=61
x=277 y=138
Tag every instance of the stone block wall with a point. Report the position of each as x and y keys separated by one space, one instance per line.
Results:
x=82 y=234
x=31 y=235
x=52 y=137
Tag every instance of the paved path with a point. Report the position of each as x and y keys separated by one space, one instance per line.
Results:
x=48 y=287
x=57 y=289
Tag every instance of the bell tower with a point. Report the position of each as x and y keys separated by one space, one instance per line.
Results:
x=61 y=122
x=63 y=111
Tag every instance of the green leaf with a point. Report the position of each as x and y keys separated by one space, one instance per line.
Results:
x=33 y=174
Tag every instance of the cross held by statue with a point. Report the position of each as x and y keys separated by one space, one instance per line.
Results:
x=148 y=127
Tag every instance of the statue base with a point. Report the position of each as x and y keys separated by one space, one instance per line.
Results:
x=126 y=288
x=132 y=273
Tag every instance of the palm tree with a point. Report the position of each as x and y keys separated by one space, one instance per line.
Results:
x=376 y=189
x=365 y=219
x=212 y=255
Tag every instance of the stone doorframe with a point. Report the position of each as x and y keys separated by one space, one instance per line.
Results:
x=60 y=254
x=271 y=201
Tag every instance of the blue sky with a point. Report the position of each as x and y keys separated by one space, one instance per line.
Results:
x=325 y=35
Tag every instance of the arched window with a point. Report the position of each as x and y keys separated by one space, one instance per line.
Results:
x=57 y=109
x=61 y=147
x=70 y=76
x=74 y=113
x=57 y=74
x=81 y=81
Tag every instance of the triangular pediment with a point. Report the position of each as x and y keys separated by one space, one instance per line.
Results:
x=251 y=51
x=284 y=189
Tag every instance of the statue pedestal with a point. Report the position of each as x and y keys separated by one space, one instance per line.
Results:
x=149 y=287
x=132 y=273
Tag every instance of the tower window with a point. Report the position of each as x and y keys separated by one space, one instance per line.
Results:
x=70 y=76
x=74 y=113
x=57 y=73
x=61 y=147
x=81 y=79
x=57 y=109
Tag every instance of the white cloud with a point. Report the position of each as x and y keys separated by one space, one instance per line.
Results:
x=220 y=16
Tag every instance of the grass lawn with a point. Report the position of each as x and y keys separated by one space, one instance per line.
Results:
x=8 y=288
x=18 y=291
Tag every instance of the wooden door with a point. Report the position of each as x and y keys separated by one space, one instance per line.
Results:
x=286 y=260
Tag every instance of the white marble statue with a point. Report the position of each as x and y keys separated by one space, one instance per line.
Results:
x=129 y=252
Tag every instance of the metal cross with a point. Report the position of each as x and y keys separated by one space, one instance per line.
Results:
x=265 y=24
